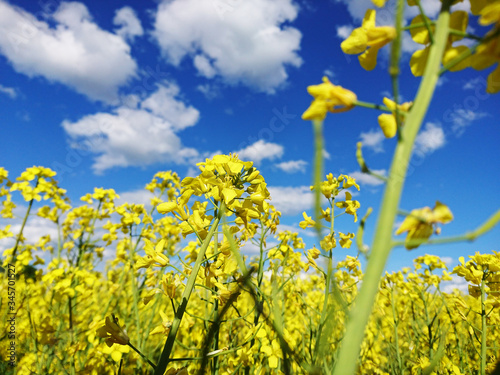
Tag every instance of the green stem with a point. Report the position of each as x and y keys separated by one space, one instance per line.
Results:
x=169 y=344
x=396 y=333
x=379 y=107
x=395 y=57
x=382 y=244
x=142 y=355
x=19 y=236
x=318 y=172
x=320 y=340
x=427 y=22
x=484 y=328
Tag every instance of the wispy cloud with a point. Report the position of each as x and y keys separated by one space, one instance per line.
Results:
x=373 y=139
x=430 y=139
x=292 y=166
x=9 y=91
x=462 y=118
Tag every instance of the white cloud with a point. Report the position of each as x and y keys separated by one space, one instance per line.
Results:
x=475 y=84
x=367 y=179
x=291 y=200
x=136 y=136
x=449 y=261
x=35 y=228
x=357 y=9
x=373 y=139
x=130 y=26
x=461 y=118
x=9 y=91
x=292 y=166
x=209 y=91
x=242 y=43
x=71 y=50
x=344 y=31
x=140 y=196
x=329 y=73
x=165 y=104
x=261 y=150
x=204 y=66
x=430 y=139
x=457 y=282
x=431 y=9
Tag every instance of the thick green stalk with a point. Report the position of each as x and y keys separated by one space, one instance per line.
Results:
x=169 y=344
x=318 y=172
x=383 y=243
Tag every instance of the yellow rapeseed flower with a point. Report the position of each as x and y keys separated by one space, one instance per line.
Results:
x=421 y=223
x=387 y=121
x=367 y=40
x=112 y=332
x=328 y=98
x=458 y=21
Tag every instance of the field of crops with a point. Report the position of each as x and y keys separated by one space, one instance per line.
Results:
x=169 y=287
x=232 y=314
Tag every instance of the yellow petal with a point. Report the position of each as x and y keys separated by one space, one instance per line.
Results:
x=316 y=111
x=452 y=53
x=166 y=207
x=368 y=60
x=420 y=34
x=490 y=14
x=391 y=104
x=388 y=124
x=494 y=81
x=458 y=21
x=355 y=43
x=418 y=62
x=442 y=214
x=369 y=19
x=380 y=36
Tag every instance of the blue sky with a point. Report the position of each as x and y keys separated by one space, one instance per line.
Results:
x=108 y=93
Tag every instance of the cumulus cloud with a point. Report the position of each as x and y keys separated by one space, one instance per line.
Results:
x=70 y=49
x=245 y=42
x=261 y=150
x=430 y=139
x=292 y=166
x=136 y=136
x=457 y=282
x=140 y=196
x=130 y=26
x=291 y=200
x=373 y=139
